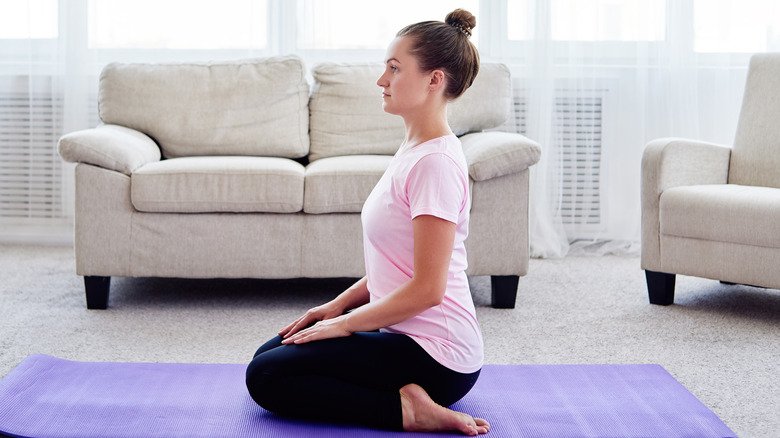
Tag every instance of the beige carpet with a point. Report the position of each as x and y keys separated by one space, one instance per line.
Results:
x=721 y=342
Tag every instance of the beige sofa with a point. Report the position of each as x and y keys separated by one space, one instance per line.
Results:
x=714 y=211
x=241 y=170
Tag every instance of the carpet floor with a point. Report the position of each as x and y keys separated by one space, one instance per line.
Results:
x=721 y=342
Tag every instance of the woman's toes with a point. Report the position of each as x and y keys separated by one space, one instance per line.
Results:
x=481 y=425
x=467 y=425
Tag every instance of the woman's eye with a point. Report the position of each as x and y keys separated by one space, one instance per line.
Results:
x=393 y=68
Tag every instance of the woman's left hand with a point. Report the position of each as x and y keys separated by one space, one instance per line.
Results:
x=325 y=329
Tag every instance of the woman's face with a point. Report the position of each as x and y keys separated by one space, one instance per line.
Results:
x=404 y=86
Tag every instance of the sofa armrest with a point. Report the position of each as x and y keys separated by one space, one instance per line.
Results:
x=111 y=147
x=492 y=154
x=673 y=162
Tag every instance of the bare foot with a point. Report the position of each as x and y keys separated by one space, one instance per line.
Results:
x=422 y=414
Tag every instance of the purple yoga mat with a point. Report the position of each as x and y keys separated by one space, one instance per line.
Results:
x=49 y=397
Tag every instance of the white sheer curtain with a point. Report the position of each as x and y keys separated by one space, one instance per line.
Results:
x=35 y=199
x=51 y=54
x=595 y=81
x=601 y=78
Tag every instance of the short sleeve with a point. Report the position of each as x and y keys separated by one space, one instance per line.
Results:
x=436 y=186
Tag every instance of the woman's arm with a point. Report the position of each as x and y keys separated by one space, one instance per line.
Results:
x=433 y=241
x=355 y=296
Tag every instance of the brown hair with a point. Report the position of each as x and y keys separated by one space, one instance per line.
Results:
x=446 y=46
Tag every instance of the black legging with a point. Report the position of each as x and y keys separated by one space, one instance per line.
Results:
x=354 y=379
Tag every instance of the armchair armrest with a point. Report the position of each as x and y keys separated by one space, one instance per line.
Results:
x=493 y=154
x=112 y=147
x=673 y=162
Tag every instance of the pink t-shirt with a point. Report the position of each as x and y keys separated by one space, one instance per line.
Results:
x=429 y=178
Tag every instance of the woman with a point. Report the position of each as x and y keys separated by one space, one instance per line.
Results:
x=411 y=344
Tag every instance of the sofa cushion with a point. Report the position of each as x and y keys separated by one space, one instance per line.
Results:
x=247 y=107
x=732 y=213
x=342 y=184
x=219 y=184
x=347 y=117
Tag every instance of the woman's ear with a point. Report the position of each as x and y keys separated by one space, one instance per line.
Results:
x=437 y=80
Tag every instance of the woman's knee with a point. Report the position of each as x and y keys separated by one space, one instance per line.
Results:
x=272 y=343
x=260 y=382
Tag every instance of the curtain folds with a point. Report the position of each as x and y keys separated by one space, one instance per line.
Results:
x=595 y=99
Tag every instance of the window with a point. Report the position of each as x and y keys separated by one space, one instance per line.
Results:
x=178 y=24
x=21 y=19
x=733 y=26
x=519 y=19
x=608 y=20
x=360 y=24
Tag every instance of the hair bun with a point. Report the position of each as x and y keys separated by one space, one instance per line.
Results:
x=462 y=19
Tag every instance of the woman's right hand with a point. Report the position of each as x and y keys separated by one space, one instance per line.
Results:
x=329 y=310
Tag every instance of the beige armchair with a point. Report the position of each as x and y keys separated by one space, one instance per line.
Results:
x=713 y=211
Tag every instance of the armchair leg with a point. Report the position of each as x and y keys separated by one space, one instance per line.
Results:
x=97 y=291
x=503 y=290
x=660 y=287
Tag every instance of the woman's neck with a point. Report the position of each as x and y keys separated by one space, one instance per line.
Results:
x=428 y=126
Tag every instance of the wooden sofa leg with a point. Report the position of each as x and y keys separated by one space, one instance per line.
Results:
x=97 y=291
x=660 y=287
x=503 y=290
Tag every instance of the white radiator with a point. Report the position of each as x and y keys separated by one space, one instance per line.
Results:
x=30 y=168
x=577 y=127
x=575 y=154
x=32 y=177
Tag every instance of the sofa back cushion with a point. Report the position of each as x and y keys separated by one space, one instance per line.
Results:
x=346 y=113
x=247 y=107
x=755 y=158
